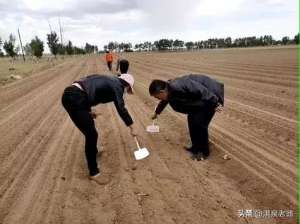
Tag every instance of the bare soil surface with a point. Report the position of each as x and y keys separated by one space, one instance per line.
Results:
x=43 y=174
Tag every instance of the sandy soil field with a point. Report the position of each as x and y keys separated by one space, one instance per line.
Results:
x=43 y=174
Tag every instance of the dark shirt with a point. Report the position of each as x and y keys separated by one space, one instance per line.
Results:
x=105 y=89
x=191 y=93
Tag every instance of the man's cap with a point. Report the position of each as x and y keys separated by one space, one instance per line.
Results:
x=128 y=79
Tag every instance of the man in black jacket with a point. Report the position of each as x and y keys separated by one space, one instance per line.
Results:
x=78 y=99
x=199 y=97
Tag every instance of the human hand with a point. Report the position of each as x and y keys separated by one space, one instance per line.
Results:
x=219 y=108
x=154 y=116
x=94 y=114
x=133 y=131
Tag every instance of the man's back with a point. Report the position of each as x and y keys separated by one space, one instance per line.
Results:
x=101 y=88
x=109 y=57
x=196 y=82
x=105 y=89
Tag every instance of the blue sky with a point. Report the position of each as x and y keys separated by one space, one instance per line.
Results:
x=99 y=21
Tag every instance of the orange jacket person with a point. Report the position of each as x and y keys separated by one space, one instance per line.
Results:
x=109 y=59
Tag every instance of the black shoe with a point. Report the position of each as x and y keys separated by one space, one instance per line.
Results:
x=101 y=179
x=189 y=149
x=198 y=156
x=100 y=153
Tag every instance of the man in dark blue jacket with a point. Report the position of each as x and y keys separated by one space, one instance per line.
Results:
x=78 y=99
x=199 y=97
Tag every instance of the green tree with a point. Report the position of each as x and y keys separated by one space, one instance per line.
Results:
x=296 y=38
x=9 y=46
x=37 y=47
x=1 y=43
x=285 y=40
x=228 y=42
x=178 y=44
x=69 y=48
x=212 y=43
x=156 y=44
x=121 y=46
x=260 y=41
x=268 y=40
x=239 y=42
x=111 y=45
x=171 y=43
x=90 y=49
x=250 y=41
x=164 y=44
x=127 y=47
x=137 y=47
x=147 y=45
x=116 y=45
x=197 y=44
x=221 y=43
x=78 y=50
x=61 y=49
x=52 y=41
x=189 y=45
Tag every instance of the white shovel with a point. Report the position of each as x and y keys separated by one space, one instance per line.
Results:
x=141 y=153
x=152 y=128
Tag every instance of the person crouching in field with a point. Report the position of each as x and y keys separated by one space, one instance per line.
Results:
x=109 y=59
x=95 y=89
x=123 y=65
x=199 y=97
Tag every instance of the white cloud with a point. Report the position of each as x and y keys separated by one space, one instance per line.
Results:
x=217 y=7
x=36 y=5
x=100 y=21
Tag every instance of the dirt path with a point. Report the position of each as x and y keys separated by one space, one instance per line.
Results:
x=43 y=173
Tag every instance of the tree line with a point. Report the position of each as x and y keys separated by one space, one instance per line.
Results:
x=36 y=47
x=170 y=44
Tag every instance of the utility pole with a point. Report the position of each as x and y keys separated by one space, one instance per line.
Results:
x=21 y=44
x=60 y=30
x=61 y=39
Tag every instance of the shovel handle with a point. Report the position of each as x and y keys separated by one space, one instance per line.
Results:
x=137 y=143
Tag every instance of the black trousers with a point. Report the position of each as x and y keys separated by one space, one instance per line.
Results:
x=198 y=122
x=109 y=65
x=118 y=65
x=76 y=104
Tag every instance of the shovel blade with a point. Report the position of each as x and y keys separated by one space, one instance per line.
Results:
x=141 y=153
x=152 y=128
